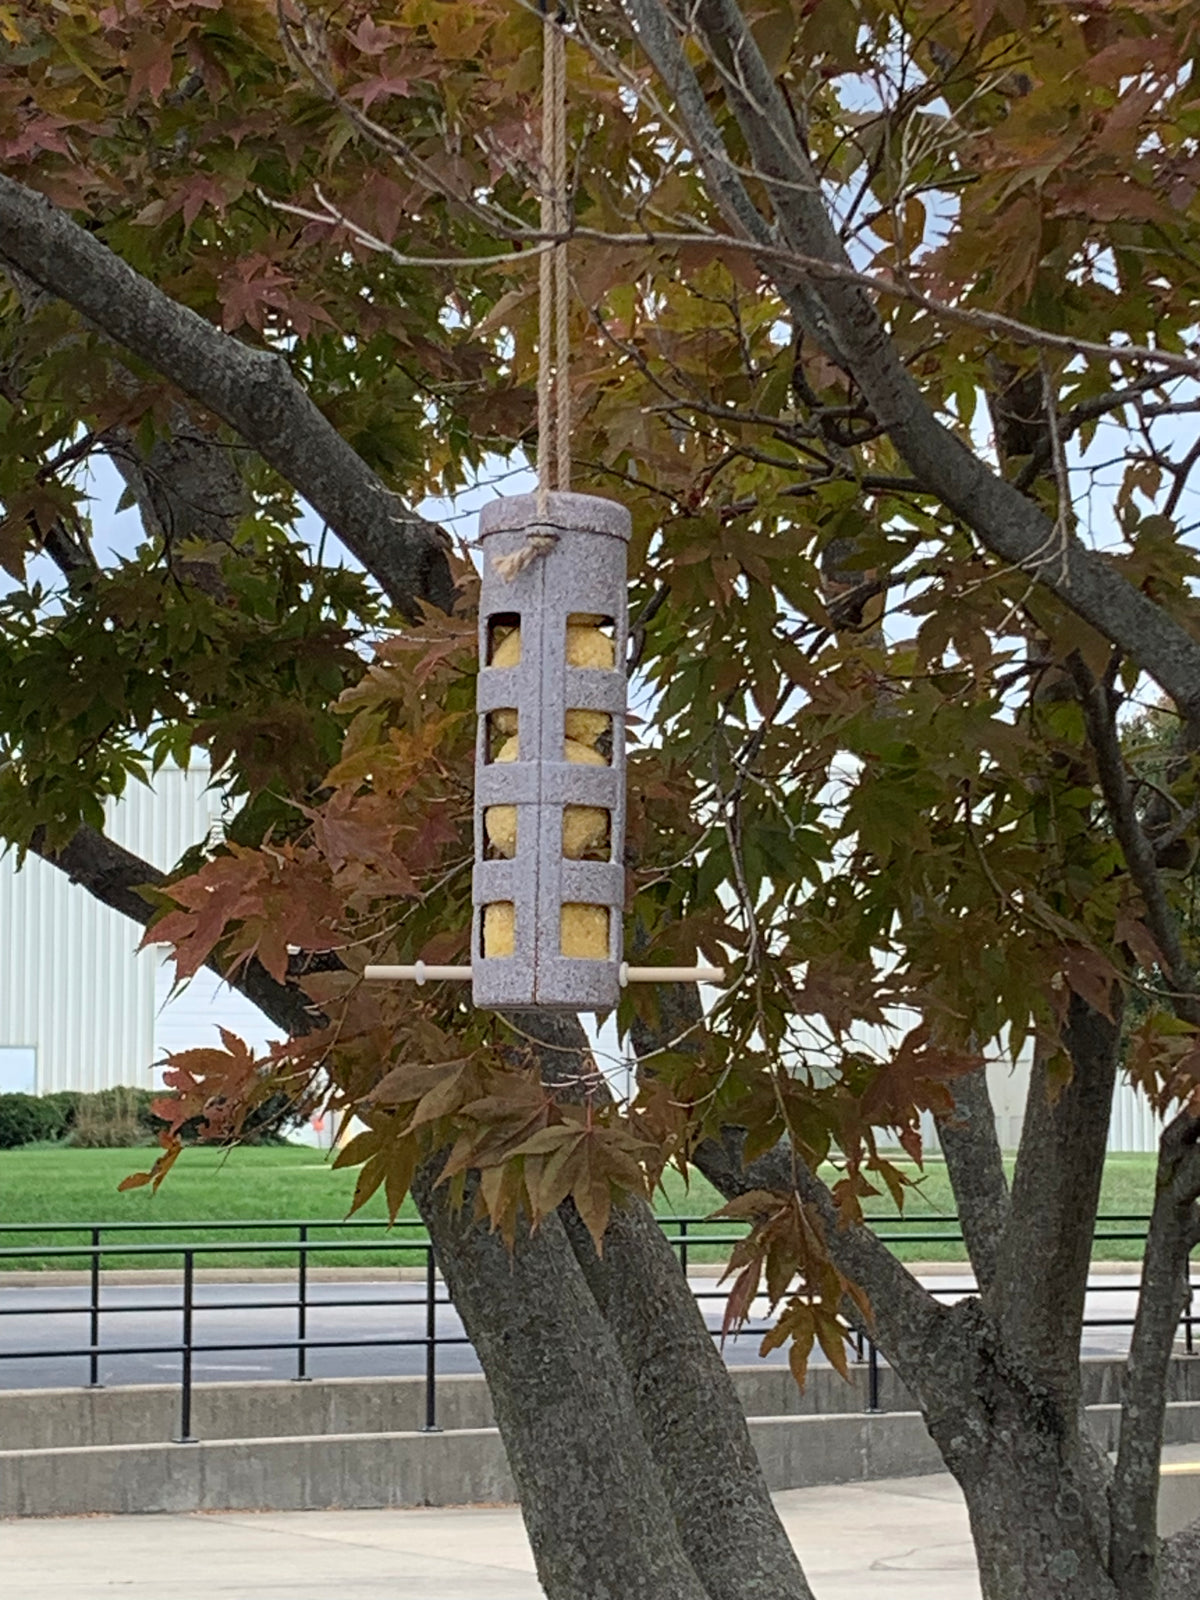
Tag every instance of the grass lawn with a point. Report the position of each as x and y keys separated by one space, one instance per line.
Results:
x=42 y=1184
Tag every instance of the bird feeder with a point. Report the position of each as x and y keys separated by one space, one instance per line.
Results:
x=549 y=879
x=549 y=883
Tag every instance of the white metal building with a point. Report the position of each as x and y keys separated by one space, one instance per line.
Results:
x=81 y=1009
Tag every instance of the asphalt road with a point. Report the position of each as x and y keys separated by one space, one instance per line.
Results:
x=235 y=1322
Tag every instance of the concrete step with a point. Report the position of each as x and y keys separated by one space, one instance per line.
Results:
x=463 y=1467
x=49 y=1419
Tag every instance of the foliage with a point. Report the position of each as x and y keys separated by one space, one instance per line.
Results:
x=116 y=1118
x=67 y=1101
x=890 y=828
x=24 y=1119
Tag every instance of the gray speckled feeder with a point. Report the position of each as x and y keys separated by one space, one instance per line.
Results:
x=582 y=573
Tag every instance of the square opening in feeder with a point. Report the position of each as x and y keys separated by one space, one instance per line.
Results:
x=583 y=931
x=499 y=929
x=504 y=639
x=501 y=740
x=586 y=833
x=500 y=829
x=591 y=641
x=591 y=730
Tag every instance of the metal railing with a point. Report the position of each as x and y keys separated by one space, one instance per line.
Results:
x=404 y=1239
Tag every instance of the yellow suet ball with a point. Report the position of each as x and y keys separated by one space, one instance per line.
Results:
x=506 y=648
x=586 y=726
x=583 y=932
x=588 y=647
x=501 y=821
x=499 y=925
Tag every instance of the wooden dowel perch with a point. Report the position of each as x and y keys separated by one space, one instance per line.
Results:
x=420 y=973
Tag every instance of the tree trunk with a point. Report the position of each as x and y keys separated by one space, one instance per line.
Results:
x=591 y=1496
x=691 y=1418
x=1034 y=1478
x=690 y=1413
x=1034 y=1529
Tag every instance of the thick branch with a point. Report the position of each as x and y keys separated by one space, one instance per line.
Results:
x=976 y=1169
x=1045 y=1254
x=1161 y=1299
x=251 y=390
x=907 y=1323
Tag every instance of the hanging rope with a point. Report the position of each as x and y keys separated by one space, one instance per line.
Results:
x=554 y=343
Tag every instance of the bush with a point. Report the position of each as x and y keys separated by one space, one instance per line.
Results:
x=24 y=1119
x=113 y=1119
x=67 y=1101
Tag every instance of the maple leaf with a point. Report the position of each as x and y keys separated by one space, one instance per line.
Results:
x=151 y=65
x=172 y=1146
x=223 y=891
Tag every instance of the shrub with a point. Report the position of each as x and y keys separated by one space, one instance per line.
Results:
x=113 y=1119
x=24 y=1119
x=67 y=1102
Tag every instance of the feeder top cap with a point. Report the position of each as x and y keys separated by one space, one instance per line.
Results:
x=580 y=513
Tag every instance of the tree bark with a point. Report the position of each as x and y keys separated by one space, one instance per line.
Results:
x=689 y=1412
x=1046 y=1252
x=976 y=1168
x=591 y=1494
x=1173 y=1231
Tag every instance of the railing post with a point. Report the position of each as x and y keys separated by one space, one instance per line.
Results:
x=859 y=1344
x=302 y=1308
x=1188 y=1341
x=683 y=1245
x=94 y=1316
x=185 y=1435
x=431 y=1422
x=872 y=1376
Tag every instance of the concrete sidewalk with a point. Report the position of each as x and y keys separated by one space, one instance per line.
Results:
x=895 y=1539
x=881 y=1541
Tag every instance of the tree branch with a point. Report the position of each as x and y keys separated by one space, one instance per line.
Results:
x=906 y=1321
x=1161 y=1300
x=1139 y=853
x=976 y=1169
x=1046 y=1251
x=1164 y=1289
x=253 y=391
x=69 y=554
x=842 y=317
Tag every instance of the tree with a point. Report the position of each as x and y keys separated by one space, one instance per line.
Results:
x=261 y=260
